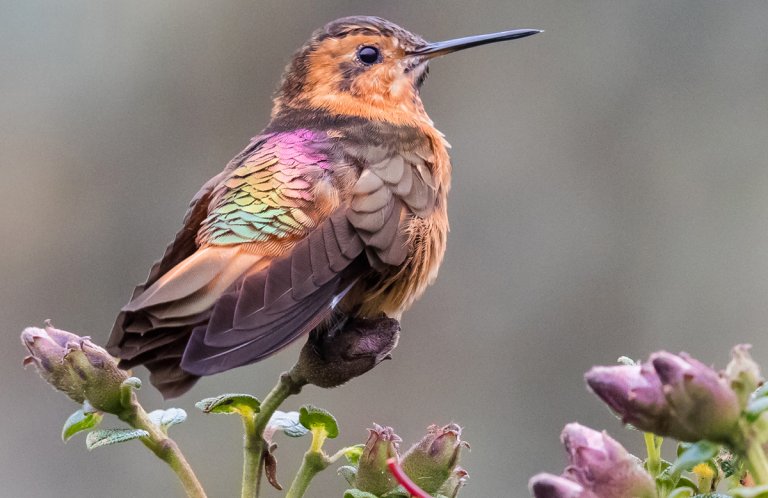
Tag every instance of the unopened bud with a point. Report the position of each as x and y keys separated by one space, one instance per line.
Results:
x=431 y=461
x=373 y=475
x=456 y=481
x=743 y=373
x=331 y=358
x=551 y=486
x=601 y=465
x=75 y=366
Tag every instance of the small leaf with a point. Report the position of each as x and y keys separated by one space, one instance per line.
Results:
x=288 y=422
x=167 y=418
x=348 y=472
x=313 y=417
x=756 y=408
x=681 y=493
x=694 y=454
x=761 y=391
x=244 y=404
x=356 y=493
x=756 y=492
x=106 y=437
x=353 y=453
x=80 y=421
x=132 y=382
x=625 y=360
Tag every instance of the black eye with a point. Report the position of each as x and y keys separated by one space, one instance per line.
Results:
x=368 y=55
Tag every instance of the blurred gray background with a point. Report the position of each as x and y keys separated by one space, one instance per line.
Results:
x=610 y=198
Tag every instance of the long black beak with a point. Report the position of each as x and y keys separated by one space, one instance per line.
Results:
x=437 y=49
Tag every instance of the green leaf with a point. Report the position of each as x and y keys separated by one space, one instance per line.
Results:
x=756 y=492
x=79 y=421
x=106 y=437
x=353 y=453
x=349 y=473
x=756 y=408
x=694 y=454
x=167 y=418
x=313 y=417
x=288 y=422
x=681 y=493
x=761 y=391
x=356 y=493
x=243 y=404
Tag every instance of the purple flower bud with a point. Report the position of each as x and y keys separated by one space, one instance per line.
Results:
x=551 y=486
x=634 y=393
x=430 y=462
x=75 y=366
x=700 y=399
x=601 y=465
x=373 y=475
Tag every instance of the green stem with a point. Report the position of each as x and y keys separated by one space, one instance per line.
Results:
x=757 y=462
x=653 y=448
x=162 y=446
x=255 y=446
x=251 y=469
x=314 y=462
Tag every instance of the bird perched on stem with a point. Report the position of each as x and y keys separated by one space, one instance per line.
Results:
x=334 y=214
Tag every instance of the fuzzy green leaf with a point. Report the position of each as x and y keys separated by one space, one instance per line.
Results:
x=348 y=472
x=694 y=454
x=106 y=437
x=167 y=418
x=79 y=421
x=243 y=404
x=313 y=417
x=756 y=408
x=356 y=493
x=288 y=422
x=353 y=453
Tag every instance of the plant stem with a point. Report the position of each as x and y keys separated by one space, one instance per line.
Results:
x=255 y=446
x=251 y=464
x=162 y=446
x=654 y=453
x=757 y=462
x=313 y=462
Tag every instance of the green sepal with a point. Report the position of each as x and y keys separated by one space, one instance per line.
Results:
x=104 y=437
x=167 y=418
x=398 y=492
x=348 y=472
x=353 y=453
x=356 y=493
x=243 y=404
x=83 y=419
x=288 y=422
x=313 y=417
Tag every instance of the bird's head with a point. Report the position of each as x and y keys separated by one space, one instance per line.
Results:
x=367 y=67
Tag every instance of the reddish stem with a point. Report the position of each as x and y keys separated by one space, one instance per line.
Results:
x=404 y=480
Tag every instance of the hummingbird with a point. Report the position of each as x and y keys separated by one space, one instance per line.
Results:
x=335 y=211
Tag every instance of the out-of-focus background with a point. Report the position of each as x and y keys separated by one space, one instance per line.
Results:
x=610 y=198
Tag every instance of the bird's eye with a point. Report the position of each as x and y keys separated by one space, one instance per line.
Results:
x=368 y=55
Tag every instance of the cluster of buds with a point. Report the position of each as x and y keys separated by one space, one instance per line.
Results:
x=678 y=396
x=599 y=467
x=76 y=366
x=432 y=463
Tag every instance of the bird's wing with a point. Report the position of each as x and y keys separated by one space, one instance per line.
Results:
x=270 y=308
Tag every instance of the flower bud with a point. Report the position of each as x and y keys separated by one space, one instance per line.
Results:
x=699 y=397
x=373 y=475
x=742 y=373
x=431 y=461
x=601 y=465
x=334 y=357
x=551 y=486
x=456 y=481
x=75 y=366
x=635 y=394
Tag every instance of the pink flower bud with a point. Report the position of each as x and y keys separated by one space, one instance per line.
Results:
x=75 y=366
x=551 y=486
x=430 y=462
